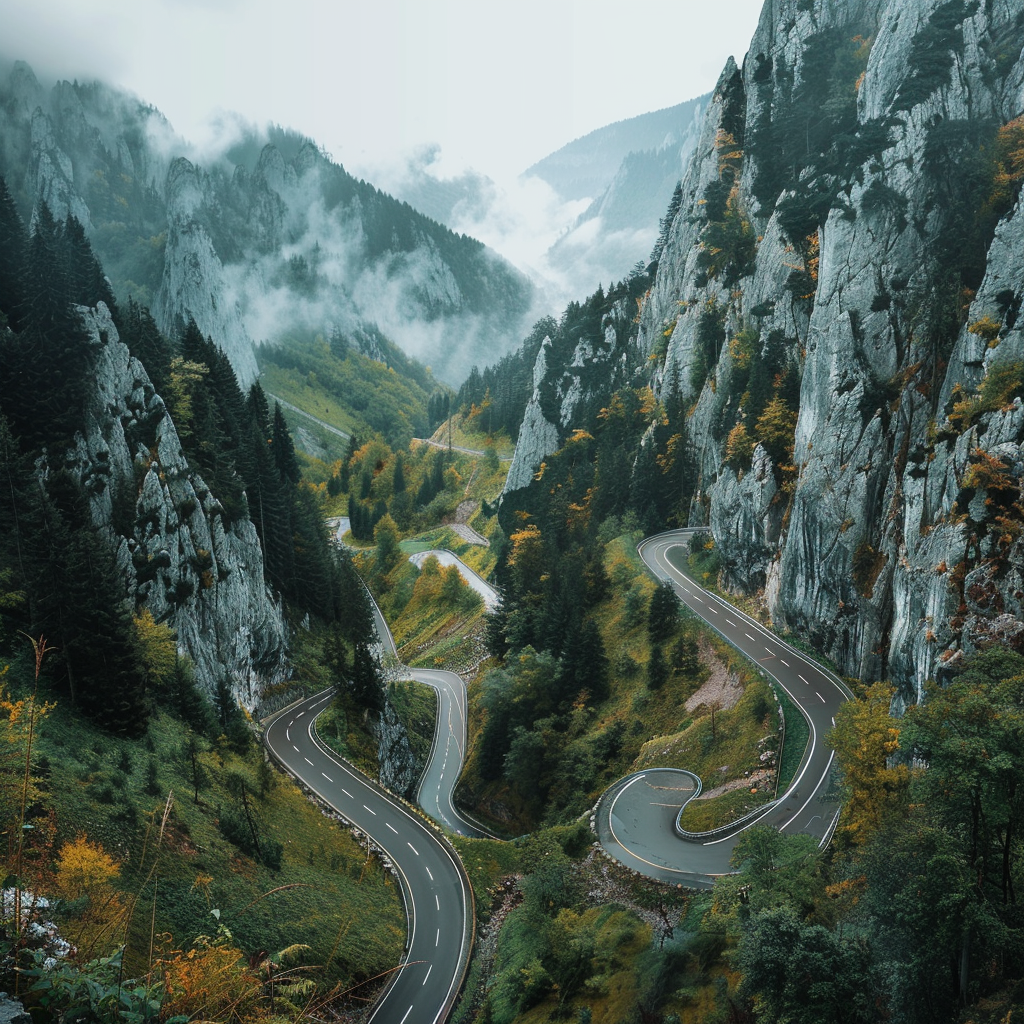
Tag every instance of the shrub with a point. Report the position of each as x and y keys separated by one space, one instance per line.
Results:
x=1003 y=382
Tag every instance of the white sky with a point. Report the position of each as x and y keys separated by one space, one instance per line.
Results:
x=498 y=83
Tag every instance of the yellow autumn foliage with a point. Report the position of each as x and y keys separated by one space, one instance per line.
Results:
x=865 y=738
x=209 y=982
x=157 y=643
x=84 y=867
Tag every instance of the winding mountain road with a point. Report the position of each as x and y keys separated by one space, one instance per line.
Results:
x=458 y=448
x=437 y=896
x=637 y=817
x=308 y=415
x=435 y=888
x=448 y=748
x=488 y=594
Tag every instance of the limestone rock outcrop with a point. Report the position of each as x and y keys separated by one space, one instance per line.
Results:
x=880 y=265
x=179 y=558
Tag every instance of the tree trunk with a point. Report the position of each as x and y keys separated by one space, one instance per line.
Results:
x=965 y=951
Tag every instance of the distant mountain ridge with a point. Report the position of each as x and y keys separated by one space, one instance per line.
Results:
x=585 y=167
x=630 y=168
x=270 y=238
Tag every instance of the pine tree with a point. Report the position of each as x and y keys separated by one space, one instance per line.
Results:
x=80 y=597
x=87 y=284
x=145 y=341
x=229 y=716
x=268 y=500
x=584 y=665
x=45 y=368
x=657 y=670
x=366 y=684
x=284 y=449
x=13 y=242
x=662 y=613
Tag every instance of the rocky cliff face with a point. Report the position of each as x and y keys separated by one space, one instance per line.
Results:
x=570 y=375
x=193 y=283
x=396 y=765
x=182 y=563
x=840 y=292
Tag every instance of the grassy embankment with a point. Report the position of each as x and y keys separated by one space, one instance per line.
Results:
x=704 y=566
x=326 y=893
x=458 y=433
x=437 y=621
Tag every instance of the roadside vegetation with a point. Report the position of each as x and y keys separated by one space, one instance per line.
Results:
x=164 y=858
x=468 y=429
x=549 y=735
x=566 y=934
x=909 y=915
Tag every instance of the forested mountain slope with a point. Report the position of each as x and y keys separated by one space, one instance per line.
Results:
x=267 y=239
x=121 y=504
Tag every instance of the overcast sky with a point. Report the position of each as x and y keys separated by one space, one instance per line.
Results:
x=498 y=83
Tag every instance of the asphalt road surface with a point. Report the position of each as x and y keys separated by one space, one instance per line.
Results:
x=309 y=416
x=441 y=773
x=636 y=817
x=448 y=750
x=436 y=892
x=458 y=448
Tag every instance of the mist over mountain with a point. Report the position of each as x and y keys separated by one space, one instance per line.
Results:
x=620 y=226
x=262 y=237
x=581 y=216
x=585 y=167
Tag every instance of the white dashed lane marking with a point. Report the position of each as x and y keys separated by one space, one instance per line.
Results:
x=370 y=809
x=392 y=827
